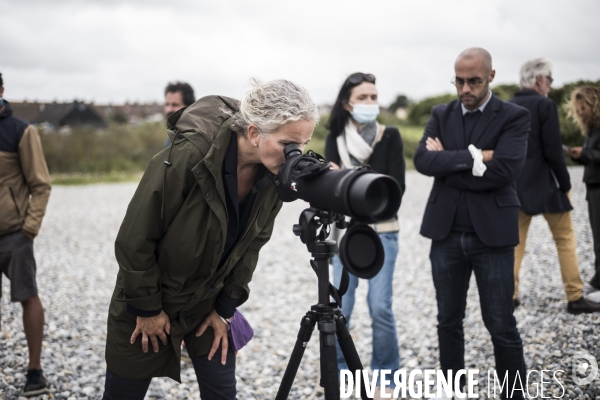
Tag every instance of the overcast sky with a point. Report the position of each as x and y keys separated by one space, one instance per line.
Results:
x=113 y=51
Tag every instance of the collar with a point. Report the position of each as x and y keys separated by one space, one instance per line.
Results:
x=527 y=92
x=480 y=108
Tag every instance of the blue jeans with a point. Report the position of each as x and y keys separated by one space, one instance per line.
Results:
x=386 y=353
x=452 y=261
x=216 y=381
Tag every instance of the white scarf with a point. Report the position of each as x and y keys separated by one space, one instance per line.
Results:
x=352 y=143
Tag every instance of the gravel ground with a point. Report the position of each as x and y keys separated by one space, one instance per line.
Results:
x=77 y=269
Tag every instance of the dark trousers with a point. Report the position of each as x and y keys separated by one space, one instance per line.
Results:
x=593 y=198
x=453 y=260
x=216 y=381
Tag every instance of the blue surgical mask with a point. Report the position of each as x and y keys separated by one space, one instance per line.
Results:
x=364 y=113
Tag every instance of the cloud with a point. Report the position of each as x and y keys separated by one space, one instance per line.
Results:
x=114 y=50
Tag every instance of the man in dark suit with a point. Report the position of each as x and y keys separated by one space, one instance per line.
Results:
x=544 y=183
x=475 y=148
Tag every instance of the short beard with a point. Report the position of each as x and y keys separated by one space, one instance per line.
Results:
x=478 y=101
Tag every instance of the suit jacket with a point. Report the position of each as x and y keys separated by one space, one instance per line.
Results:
x=544 y=182
x=492 y=199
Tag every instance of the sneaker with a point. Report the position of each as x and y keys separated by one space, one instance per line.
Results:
x=36 y=383
x=582 y=305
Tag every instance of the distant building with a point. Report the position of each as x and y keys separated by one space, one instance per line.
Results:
x=63 y=116
x=69 y=114
x=136 y=113
x=26 y=110
x=401 y=113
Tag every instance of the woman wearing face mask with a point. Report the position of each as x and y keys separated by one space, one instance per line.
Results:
x=356 y=139
x=584 y=109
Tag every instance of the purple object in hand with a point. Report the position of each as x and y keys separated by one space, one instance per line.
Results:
x=241 y=331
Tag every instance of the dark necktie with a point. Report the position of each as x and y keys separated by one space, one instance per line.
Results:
x=470 y=119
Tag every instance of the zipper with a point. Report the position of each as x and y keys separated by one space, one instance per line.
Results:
x=217 y=277
x=221 y=197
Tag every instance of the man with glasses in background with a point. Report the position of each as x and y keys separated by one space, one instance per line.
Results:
x=475 y=148
x=544 y=184
x=177 y=96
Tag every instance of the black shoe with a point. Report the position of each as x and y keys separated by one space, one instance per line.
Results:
x=516 y=303
x=582 y=306
x=36 y=383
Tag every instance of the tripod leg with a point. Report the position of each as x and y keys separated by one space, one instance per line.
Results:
x=307 y=325
x=329 y=370
x=349 y=350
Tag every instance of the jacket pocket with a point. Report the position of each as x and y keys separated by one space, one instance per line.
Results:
x=508 y=201
x=10 y=219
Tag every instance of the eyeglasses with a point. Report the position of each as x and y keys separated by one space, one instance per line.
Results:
x=359 y=77
x=550 y=79
x=472 y=82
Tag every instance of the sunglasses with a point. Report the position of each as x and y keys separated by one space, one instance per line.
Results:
x=472 y=82
x=359 y=77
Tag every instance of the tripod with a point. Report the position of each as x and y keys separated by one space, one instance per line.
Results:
x=325 y=315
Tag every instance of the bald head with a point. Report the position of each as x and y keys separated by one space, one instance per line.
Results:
x=474 y=73
x=476 y=54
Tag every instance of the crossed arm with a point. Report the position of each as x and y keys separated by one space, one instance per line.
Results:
x=504 y=162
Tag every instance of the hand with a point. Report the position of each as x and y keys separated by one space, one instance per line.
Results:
x=333 y=165
x=434 y=144
x=487 y=155
x=575 y=152
x=220 y=328
x=29 y=236
x=152 y=328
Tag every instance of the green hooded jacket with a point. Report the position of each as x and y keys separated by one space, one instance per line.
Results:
x=170 y=262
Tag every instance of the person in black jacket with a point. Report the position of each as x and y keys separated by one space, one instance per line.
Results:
x=544 y=183
x=475 y=148
x=584 y=108
x=356 y=139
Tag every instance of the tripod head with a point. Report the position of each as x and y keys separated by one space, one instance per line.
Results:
x=311 y=220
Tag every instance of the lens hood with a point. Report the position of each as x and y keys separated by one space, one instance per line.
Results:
x=361 y=251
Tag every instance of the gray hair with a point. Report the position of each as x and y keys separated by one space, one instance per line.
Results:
x=270 y=105
x=533 y=68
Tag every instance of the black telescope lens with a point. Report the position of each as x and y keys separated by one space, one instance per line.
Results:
x=376 y=198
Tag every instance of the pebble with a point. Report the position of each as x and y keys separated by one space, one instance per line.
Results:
x=77 y=270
